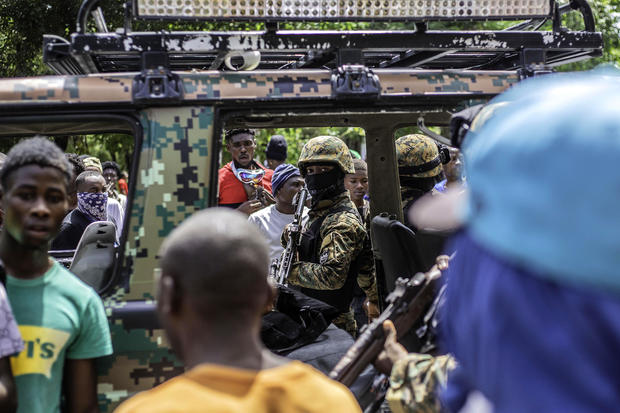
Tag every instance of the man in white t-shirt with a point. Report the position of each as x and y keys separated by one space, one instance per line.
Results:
x=285 y=184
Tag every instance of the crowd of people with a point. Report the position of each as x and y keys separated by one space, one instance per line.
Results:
x=529 y=318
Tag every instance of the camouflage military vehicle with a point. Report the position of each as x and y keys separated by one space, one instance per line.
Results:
x=174 y=92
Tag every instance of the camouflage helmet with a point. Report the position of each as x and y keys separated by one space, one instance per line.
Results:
x=326 y=149
x=418 y=156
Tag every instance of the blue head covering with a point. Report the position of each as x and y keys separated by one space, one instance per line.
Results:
x=544 y=179
x=281 y=175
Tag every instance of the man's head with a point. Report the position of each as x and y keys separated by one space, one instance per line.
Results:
x=241 y=145
x=286 y=182
x=78 y=168
x=111 y=172
x=276 y=151
x=454 y=169
x=91 y=182
x=35 y=178
x=92 y=163
x=419 y=162
x=214 y=274
x=323 y=163
x=92 y=199
x=357 y=183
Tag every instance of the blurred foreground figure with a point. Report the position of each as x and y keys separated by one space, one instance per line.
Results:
x=531 y=313
x=533 y=295
x=213 y=290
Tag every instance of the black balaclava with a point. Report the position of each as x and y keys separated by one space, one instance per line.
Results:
x=326 y=185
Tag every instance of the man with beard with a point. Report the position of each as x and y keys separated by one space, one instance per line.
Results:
x=234 y=193
x=332 y=254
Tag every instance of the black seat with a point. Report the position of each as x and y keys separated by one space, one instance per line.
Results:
x=397 y=247
x=93 y=261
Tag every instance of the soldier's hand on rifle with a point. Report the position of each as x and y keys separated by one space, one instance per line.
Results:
x=249 y=207
x=371 y=309
x=392 y=350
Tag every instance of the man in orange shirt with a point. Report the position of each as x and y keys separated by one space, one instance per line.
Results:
x=232 y=192
x=213 y=290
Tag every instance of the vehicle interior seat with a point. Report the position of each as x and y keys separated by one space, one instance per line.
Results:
x=93 y=261
x=397 y=247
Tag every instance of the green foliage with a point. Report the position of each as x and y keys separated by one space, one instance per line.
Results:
x=297 y=137
x=107 y=147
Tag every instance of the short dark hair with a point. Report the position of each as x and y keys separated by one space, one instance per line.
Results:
x=228 y=256
x=86 y=174
x=35 y=151
x=111 y=165
x=76 y=163
x=233 y=132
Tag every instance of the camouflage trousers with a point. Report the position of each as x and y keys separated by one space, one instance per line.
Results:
x=346 y=321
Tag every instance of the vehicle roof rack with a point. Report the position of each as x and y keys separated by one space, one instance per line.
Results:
x=520 y=47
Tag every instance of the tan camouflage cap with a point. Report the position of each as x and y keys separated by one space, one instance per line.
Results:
x=93 y=163
x=418 y=156
x=326 y=149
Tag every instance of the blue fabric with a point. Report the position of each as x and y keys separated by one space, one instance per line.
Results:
x=281 y=174
x=544 y=180
x=528 y=344
x=441 y=186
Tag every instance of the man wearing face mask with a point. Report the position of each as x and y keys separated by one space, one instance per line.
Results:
x=332 y=254
x=92 y=204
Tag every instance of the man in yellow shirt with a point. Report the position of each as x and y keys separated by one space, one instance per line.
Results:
x=213 y=290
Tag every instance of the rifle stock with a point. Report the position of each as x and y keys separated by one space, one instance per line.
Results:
x=407 y=303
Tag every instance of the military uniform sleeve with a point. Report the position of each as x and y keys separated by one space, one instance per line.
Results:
x=341 y=235
x=415 y=381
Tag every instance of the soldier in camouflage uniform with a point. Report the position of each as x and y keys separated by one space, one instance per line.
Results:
x=332 y=254
x=419 y=167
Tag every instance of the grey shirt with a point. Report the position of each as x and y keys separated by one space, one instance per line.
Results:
x=10 y=340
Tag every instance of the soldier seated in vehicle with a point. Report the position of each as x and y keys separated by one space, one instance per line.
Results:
x=334 y=251
x=92 y=206
x=419 y=168
x=61 y=319
x=233 y=192
x=271 y=221
x=213 y=290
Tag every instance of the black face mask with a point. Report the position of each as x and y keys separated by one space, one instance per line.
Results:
x=325 y=185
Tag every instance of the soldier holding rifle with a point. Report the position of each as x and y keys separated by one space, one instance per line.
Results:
x=331 y=254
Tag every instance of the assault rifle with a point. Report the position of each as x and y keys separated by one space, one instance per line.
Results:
x=284 y=265
x=407 y=303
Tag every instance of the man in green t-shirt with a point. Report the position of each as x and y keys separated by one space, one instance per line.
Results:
x=61 y=319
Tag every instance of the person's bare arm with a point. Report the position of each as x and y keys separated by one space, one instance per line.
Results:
x=80 y=386
x=8 y=392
